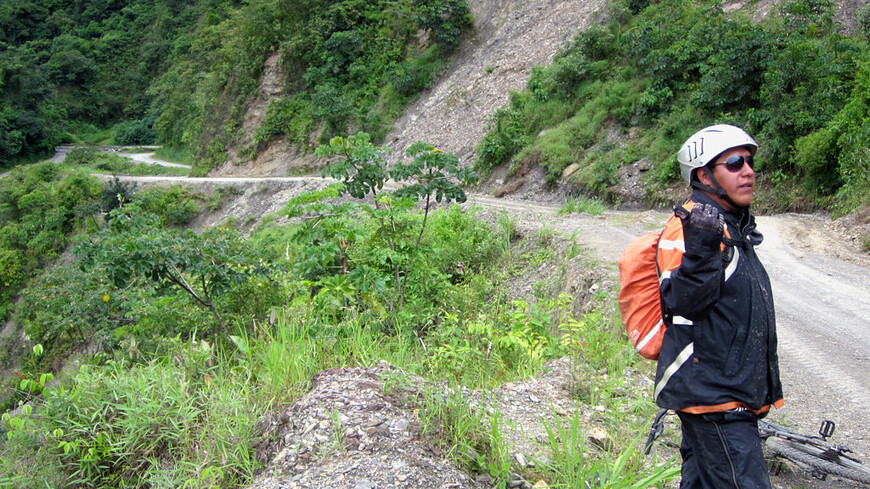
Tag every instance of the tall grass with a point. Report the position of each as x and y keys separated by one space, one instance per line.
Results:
x=174 y=155
x=573 y=205
x=577 y=465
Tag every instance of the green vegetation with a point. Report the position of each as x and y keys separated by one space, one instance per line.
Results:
x=194 y=337
x=589 y=206
x=42 y=207
x=153 y=351
x=68 y=72
x=137 y=72
x=662 y=70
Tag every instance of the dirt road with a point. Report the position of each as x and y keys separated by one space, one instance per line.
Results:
x=822 y=307
x=148 y=159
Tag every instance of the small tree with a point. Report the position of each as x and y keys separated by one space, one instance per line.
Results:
x=434 y=174
x=204 y=266
x=431 y=177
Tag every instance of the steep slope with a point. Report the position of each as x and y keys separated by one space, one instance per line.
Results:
x=510 y=39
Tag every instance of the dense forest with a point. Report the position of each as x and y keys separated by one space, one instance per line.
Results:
x=179 y=73
x=146 y=353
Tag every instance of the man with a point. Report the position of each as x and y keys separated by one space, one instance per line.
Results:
x=718 y=366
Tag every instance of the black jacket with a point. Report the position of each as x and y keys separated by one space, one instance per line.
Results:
x=719 y=350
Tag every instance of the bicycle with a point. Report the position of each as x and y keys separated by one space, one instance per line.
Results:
x=812 y=454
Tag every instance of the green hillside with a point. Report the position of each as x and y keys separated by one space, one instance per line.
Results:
x=659 y=71
x=180 y=73
x=144 y=354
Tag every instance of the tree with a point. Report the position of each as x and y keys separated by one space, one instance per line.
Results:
x=204 y=266
x=331 y=229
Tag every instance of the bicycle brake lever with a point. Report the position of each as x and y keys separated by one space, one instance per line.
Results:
x=654 y=433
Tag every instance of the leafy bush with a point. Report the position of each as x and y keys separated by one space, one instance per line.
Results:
x=816 y=161
x=132 y=133
x=445 y=19
x=65 y=307
x=293 y=117
x=862 y=16
x=382 y=261
x=412 y=76
x=175 y=205
x=507 y=135
x=169 y=423
x=203 y=266
x=115 y=193
x=81 y=155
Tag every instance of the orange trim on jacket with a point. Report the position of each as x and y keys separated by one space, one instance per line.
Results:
x=732 y=405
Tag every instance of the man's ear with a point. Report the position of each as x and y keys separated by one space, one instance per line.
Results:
x=703 y=177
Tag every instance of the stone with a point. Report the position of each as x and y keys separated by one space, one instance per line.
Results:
x=570 y=170
x=599 y=437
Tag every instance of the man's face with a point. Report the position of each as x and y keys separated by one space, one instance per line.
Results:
x=739 y=184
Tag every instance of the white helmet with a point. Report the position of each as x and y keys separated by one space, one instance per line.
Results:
x=708 y=143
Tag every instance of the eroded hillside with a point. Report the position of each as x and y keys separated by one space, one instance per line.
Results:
x=509 y=39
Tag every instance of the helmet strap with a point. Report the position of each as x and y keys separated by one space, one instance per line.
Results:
x=716 y=189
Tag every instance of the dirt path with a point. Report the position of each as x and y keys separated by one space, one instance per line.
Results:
x=148 y=159
x=821 y=305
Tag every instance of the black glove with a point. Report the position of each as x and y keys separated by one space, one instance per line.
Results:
x=703 y=227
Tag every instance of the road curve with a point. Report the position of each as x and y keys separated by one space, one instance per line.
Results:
x=148 y=159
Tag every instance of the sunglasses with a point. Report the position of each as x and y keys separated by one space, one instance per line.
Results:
x=735 y=163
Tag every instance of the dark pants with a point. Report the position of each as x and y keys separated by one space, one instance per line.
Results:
x=722 y=450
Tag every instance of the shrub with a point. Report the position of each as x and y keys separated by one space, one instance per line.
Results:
x=506 y=136
x=292 y=117
x=67 y=307
x=175 y=204
x=204 y=267
x=132 y=133
x=862 y=17
x=816 y=161
x=115 y=193
x=76 y=192
x=81 y=155
x=445 y=19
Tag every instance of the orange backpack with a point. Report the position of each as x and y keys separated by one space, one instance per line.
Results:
x=640 y=299
x=640 y=296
